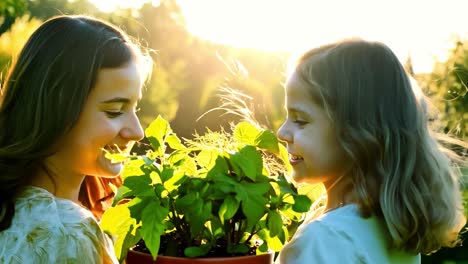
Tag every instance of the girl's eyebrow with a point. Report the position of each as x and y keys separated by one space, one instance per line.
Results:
x=296 y=110
x=116 y=100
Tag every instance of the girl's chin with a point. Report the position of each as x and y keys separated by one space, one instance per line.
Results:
x=301 y=178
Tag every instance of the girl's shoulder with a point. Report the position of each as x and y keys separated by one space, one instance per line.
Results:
x=342 y=223
x=319 y=241
x=364 y=239
x=48 y=229
x=346 y=223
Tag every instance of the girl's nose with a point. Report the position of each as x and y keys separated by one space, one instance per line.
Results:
x=283 y=133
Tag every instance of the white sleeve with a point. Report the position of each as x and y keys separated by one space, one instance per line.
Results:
x=319 y=243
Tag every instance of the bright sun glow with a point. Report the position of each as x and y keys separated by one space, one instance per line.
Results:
x=422 y=28
x=111 y=5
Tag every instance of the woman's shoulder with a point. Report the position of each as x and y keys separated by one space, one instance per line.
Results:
x=34 y=203
x=45 y=228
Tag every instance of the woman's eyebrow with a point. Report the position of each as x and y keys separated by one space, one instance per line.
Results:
x=116 y=100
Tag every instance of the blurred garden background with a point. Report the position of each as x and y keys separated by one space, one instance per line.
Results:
x=199 y=46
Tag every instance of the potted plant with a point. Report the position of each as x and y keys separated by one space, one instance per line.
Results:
x=219 y=195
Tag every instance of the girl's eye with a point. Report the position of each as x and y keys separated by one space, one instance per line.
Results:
x=113 y=114
x=300 y=122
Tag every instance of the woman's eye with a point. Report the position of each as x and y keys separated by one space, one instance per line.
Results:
x=113 y=114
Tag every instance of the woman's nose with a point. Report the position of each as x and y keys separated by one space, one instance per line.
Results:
x=133 y=130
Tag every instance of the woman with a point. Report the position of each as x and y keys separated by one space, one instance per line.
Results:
x=69 y=98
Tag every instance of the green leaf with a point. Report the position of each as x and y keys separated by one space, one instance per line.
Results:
x=160 y=191
x=184 y=203
x=223 y=184
x=254 y=156
x=118 y=222
x=116 y=157
x=197 y=251
x=246 y=133
x=272 y=243
x=207 y=206
x=197 y=214
x=115 y=218
x=253 y=201
x=285 y=186
x=275 y=223
x=133 y=168
x=181 y=161
x=139 y=185
x=228 y=208
x=129 y=240
x=153 y=226
x=166 y=173
x=243 y=166
x=220 y=168
x=122 y=193
x=302 y=203
x=207 y=158
x=236 y=249
x=284 y=236
x=137 y=205
x=174 y=142
x=263 y=247
x=267 y=140
x=158 y=129
x=156 y=132
x=284 y=156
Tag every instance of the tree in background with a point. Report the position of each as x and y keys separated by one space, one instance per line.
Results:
x=9 y=11
x=188 y=70
x=14 y=39
x=447 y=86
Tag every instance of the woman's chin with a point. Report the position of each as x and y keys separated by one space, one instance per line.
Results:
x=109 y=169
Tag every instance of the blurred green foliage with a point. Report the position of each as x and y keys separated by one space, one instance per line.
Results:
x=187 y=70
x=447 y=85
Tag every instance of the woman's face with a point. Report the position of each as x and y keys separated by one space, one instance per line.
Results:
x=108 y=121
x=314 y=152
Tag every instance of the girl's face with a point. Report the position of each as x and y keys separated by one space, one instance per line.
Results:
x=314 y=152
x=108 y=121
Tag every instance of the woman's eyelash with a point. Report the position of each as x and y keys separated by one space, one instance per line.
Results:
x=113 y=114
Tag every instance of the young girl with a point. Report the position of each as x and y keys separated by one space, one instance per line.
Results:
x=69 y=98
x=355 y=125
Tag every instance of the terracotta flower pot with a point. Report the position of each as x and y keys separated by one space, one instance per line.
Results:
x=135 y=257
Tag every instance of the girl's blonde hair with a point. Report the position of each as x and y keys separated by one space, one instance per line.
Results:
x=400 y=171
